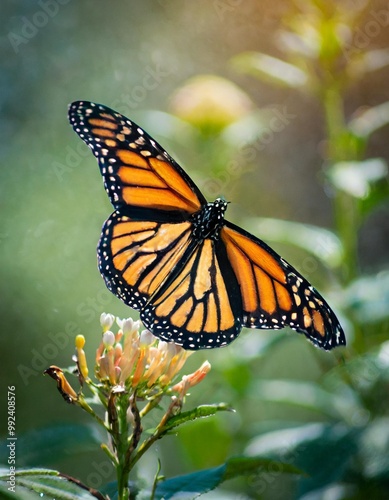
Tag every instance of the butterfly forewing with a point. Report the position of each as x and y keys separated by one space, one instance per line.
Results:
x=274 y=294
x=137 y=171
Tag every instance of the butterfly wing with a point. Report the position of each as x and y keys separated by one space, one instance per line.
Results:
x=186 y=291
x=200 y=305
x=274 y=294
x=139 y=175
x=136 y=256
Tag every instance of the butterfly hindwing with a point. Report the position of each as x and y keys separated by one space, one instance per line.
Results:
x=136 y=256
x=181 y=288
x=274 y=294
x=199 y=307
x=137 y=171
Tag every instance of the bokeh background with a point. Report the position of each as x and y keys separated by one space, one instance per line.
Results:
x=137 y=58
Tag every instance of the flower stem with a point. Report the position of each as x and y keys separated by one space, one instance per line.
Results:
x=117 y=417
x=340 y=149
x=158 y=433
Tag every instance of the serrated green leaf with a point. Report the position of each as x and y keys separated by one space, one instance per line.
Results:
x=202 y=411
x=35 y=484
x=270 y=68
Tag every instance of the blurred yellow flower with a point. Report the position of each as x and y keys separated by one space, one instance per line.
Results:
x=210 y=103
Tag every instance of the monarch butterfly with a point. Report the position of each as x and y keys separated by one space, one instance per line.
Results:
x=196 y=278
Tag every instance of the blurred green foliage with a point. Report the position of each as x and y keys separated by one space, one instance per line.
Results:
x=324 y=414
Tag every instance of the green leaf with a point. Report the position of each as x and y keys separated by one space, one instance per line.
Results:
x=368 y=298
x=370 y=120
x=238 y=466
x=356 y=178
x=63 y=439
x=167 y=126
x=363 y=373
x=366 y=62
x=199 y=412
x=206 y=480
x=320 y=242
x=270 y=68
x=374 y=447
x=305 y=44
x=35 y=484
x=324 y=451
x=195 y=483
x=247 y=129
x=308 y=395
x=379 y=193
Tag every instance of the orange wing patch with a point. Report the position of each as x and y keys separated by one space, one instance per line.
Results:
x=261 y=278
x=97 y=122
x=176 y=183
x=131 y=158
x=103 y=132
x=149 y=182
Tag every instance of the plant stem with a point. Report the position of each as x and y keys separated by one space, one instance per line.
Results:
x=158 y=433
x=84 y=405
x=345 y=209
x=342 y=148
x=117 y=416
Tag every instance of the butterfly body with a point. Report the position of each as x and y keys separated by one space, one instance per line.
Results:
x=196 y=278
x=208 y=221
